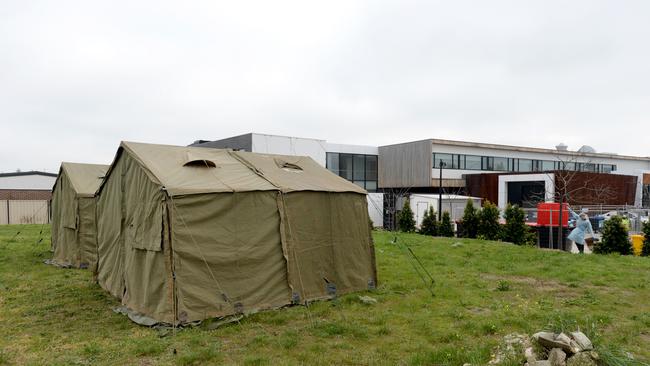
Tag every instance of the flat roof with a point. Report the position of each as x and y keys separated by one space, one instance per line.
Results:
x=526 y=149
x=31 y=172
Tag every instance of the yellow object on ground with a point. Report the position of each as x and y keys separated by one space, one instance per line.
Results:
x=637 y=244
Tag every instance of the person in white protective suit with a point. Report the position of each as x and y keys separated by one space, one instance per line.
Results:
x=583 y=226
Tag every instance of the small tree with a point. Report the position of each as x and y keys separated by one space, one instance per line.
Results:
x=488 y=226
x=446 y=229
x=615 y=238
x=645 y=251
x=429 y=225
x=469 y=226
x=405 y=221
x=515 y=230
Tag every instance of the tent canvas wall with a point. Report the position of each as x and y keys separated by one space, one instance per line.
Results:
x=74 y=232
x=189 y=233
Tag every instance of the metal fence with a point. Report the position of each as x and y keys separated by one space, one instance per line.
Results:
x=24 y=212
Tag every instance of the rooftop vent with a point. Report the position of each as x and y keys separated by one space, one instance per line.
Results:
x=561 y=147
x=587 y=149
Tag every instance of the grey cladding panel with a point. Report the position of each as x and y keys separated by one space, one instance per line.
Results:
x=242 y=142
x=405 y=165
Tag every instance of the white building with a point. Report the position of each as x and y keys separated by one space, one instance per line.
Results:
x=417 y=164
x=414 y=167
x=356 y=163
x=25 y=197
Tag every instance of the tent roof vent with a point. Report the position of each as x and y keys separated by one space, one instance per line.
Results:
x=289 y=167
x=201 y=163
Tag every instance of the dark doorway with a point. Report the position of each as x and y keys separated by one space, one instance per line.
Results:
x=526 y=194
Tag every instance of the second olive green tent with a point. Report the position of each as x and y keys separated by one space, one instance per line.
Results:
x=188 y=233
x=74 y=231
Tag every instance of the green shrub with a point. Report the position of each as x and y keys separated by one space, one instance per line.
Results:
x=503 y=285
x=488 y=225
x=429 y=225
x=615 y=238
x=645 y=251
x=469 y=224
x=405 y=221
x=531 y=236
x=446 y=228
x=515 y=229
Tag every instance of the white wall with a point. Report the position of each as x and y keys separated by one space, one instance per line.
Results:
x=548 y=179
x=285 y=145
x=352 y=149
x=455 y=206
x=35 y=181
x=376 y=208
x=24 y=212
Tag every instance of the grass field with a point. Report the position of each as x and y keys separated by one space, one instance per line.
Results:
x=484 y=290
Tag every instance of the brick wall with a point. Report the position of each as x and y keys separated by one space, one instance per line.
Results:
x=26 y=195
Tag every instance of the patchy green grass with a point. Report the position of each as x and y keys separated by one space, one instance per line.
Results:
x=484 y=290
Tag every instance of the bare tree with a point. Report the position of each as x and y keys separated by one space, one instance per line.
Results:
x=571 y=187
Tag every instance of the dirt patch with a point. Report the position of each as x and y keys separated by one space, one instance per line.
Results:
x=645 y=338
x=541 y=285
x=558 y=289
x=478 y=311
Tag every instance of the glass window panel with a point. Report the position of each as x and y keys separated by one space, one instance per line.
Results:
x=589 y=167
x=548 y=165
x=371 y=167
x=333 y=162
x=487 y=162
x=447 y=159
x=360 y=183
x=500 y=164
x=345 y=166
x=472 y=162
x=371 y=185
x=569 y=165
x=359 y=167
x=512 y=164
x=525 y=165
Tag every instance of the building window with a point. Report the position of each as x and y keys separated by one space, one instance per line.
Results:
x=449 y=161
x=548 y=165
x=590 y=167
x=525 y=165
x=487 y=163
x=607 y=168
x=345 y=166
x=371 y=169
x=472 y=162
x=333 y=162
x=500 y=164
x=493 y=163
x=360 y=169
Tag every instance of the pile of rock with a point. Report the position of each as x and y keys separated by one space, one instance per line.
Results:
x=574 y=349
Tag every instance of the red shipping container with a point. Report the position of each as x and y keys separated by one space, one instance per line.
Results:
x=548 y=214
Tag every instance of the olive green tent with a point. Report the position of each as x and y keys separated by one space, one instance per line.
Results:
x=188 y=233
x=74 y=233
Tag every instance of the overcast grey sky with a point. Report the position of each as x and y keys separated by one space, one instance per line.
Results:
x=76 y=77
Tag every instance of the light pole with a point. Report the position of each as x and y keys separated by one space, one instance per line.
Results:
x=442 y=164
